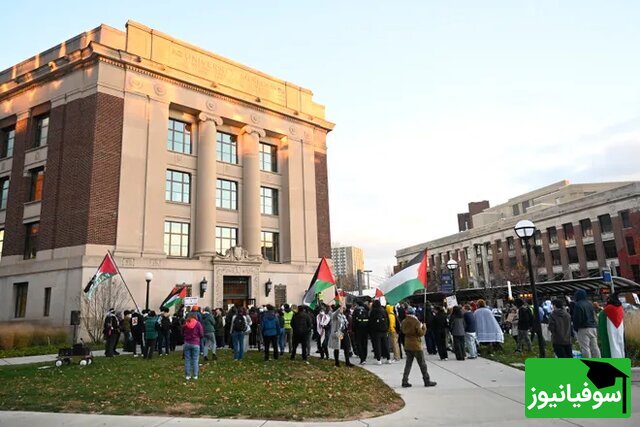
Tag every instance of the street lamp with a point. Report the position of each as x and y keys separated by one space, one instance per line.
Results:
x=525 y=229
x=148 y=276
x=367 y=272
x=203 y=286
x=452 y=264
x=268 y=286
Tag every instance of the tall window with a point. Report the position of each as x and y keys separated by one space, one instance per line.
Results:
x=226 y=238
x=37 y=182
x=270 y=243
x=20 y=291
x=226 y=194
x=178 y=187
x=553 y=235
x=555 y=257
x=1 y=241
x=47 y=301
x=568 y=231
x=176 y=238
x=7 y=139
x=605 y=223
x=631 y=248
x=499 y=246
x=41 y=131
x=268 y=201
x=538 y=237
x=626 y=221
x=179 y=137
x=587 y=231
x=227 y=148
x=590 y=251
x=268 y=157
x=572 y=253
x=516 y=209
x=610 y=250
x=511 y=243
x=31 y=241
x=4 y=188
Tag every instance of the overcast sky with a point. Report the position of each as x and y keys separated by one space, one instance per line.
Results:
x=436 y=103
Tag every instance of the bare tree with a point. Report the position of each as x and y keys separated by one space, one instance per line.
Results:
x=110 y=294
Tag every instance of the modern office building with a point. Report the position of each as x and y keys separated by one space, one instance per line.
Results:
x=180 y=162
x=581 y=228
x=346 y=261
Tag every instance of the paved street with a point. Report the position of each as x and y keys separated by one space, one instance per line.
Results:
x=470 y=393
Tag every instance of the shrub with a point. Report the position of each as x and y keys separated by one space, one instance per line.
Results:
x=22 y=335
x=632 y=336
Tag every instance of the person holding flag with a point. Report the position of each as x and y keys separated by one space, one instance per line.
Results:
x=321 y=280
x=339 y=338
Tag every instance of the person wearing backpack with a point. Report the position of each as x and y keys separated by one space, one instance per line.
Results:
x=164 y=332
x=151 y=327
x=209 y=327
x=525 y=323
x=239 y=327
x=361 y=331
x=301 y=325
x=218 y=319
x=378 y=328
x=270 y=332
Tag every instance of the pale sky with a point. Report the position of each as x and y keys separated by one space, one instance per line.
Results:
x=436 y=103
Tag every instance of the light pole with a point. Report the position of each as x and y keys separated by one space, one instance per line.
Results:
x=525 y=229
x=148 y=276
x=452 y=264
x=368 y=283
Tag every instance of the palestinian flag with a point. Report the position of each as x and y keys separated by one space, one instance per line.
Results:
x=176 y=296
x=406 y=282
x=378 y=294
x=323 y=279
x=339 y=297
x=611 y=331
x=106 y=271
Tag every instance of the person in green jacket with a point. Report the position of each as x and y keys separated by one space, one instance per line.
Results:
x=209 y=325
x=151 y=327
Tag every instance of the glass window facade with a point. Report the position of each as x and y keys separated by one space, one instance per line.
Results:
x=226 y=238
x=226 y=194
x=610 y=249
x=37 y=183
x=179 y=137
x=176 y=239
x=20 y=291
x=47 y=302
x=270 y=246
x=227 y=148
x=178 y=187
x=587 y=230
x=41 y=131
x=7 y=140
x=4 y=192
x=606 y=226
x=31 y=240
x=268 y=157
x=268 y=201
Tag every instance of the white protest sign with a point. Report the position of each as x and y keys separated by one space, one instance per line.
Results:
x=452 y=301
x=191 y=301
x=635 y=298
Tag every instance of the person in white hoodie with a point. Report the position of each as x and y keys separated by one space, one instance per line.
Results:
x=323 y=326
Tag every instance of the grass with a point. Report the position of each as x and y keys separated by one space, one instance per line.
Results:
x=507 y=355
x=41 y=349
x=632 y=337
x=252 y=388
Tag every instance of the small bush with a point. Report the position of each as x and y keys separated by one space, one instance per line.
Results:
x=23 y=335
x=632 y=337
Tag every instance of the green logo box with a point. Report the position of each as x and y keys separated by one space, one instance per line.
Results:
x=577 y=388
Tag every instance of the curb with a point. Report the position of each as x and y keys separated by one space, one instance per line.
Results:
x=635 y=375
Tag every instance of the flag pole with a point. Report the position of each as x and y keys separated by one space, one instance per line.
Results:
x=122 y=278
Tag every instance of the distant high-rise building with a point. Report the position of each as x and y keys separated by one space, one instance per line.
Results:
x=347 y=260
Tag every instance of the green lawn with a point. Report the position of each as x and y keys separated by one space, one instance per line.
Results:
x=251 y=388
x=41 y=349
x=508 y=353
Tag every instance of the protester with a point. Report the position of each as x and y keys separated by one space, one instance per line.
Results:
x=470 y=332
x=611 y=328
x=164 y=332
x=270 y=327
x=413 y=332
x=323 y=327
x=151 y=327
x=393 y=335
x=137 y=330
x=239 y=328
x=584 y=323
x=227 y=326
x=487 y=328
x=282 y=338
x=440 y=328
x=361 y=331
x=511 y=323
x=338 y=336
x=525 y=324
x=287 y=316
x=193 y=334
x=176 y=337
x=218 y=327
x=560 y=329
x=429 y=338
x=300 y=328
x=125 y=325
x=111 y=331
x=378 y=327
x=456 y=326
x=209 y=330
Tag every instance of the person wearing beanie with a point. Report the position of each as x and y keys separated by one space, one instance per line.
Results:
x=209 y=327
x=413 y=332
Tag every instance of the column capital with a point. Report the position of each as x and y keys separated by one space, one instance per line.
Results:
x=203 y=117
x=251 y=129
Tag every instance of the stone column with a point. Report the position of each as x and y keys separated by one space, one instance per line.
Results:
x=251 y=219
x=206 y=185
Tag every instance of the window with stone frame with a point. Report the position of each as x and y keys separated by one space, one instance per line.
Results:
x=553 y=235
x=268 y=201
x=226 y=238
x=179 y=137
x=7 y=141
x=4 y=192
x=270 y=246
x=31 y=240
x=585 y=225
x=176 y=239
x=226 y=194
x=20 y=291
x=178 y=186
x=227 y=148
x=41 y=131
x=606 y=226
x=268 y=157
x=37 y=184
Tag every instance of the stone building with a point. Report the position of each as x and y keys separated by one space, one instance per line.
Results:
x=180 y=162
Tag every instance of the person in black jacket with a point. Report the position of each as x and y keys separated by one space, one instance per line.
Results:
x=525 y=323
x=584 y=323
x=361 y=331
x=429 y=338
x=440 y=327
x=378 y=329
x=137 y=330
x=111 y=332
x=301 y=329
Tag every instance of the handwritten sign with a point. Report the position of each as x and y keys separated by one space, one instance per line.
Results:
x=452 y=301
x=191 y=301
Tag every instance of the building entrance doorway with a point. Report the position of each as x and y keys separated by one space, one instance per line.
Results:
x=235 y=290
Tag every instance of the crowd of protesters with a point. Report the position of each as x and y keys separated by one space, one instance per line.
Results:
x=350 y=328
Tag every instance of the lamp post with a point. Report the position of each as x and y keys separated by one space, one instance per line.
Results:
x=525 y=229
x=452 y=264
x=368 y=283
x=268 y=286
x=148 y=277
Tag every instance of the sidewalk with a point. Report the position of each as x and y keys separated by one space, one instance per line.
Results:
x=470 y=393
